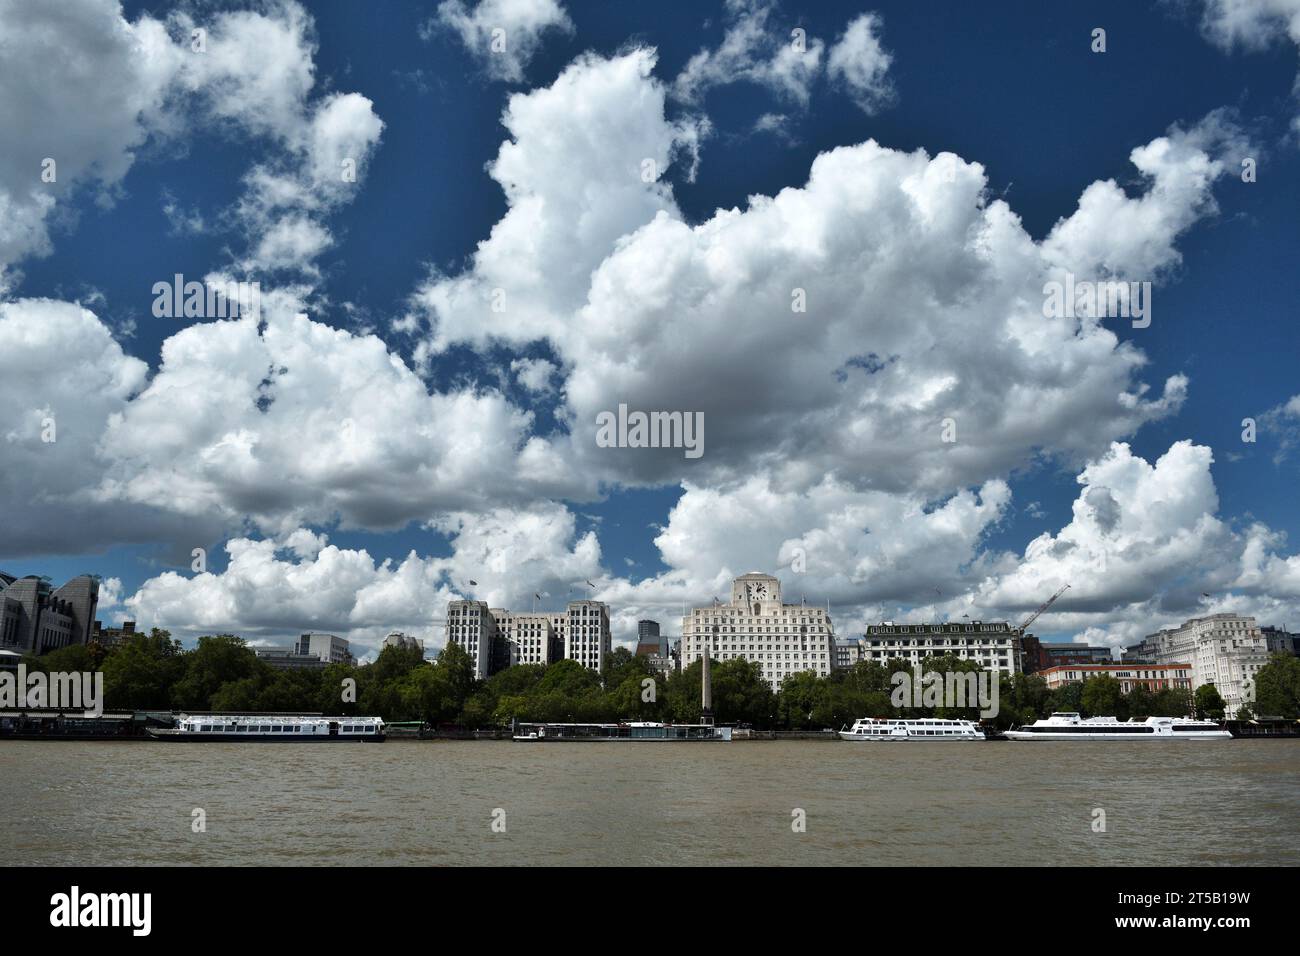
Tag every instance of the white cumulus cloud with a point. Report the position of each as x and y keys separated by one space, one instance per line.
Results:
x=504 y=34
x=861 y=63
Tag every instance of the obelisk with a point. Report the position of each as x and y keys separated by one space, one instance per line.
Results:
x=706 y=686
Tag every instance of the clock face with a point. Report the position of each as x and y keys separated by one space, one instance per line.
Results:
x=758 y=592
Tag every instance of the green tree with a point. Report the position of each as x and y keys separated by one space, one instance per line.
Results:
x=394 y=663
x=455 y=664
x=1172 y=702
x=1141 y=703
x=862 y=690
x=569 y=678
x=288 y=691
x=519 y=679
x=622 y=664
x=628 y=700
x=1067 y=698
x=798 y=698
x=216 y=661
x=511 y=707
x=1022 y=699
x=73 y=658
x=478 y=709
x=332 y=681
x=741 y=694
x=235 y=695
x=139 y=672
x=1208 y=703
x=1102 y=697
x=1277 y=687
x=425 y=694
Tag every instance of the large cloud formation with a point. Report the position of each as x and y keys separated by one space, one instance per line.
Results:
x=298 y=581
x=89 y=90
x=868 y=348
x=924 y=298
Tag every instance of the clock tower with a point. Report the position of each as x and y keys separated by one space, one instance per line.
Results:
x=782 y=639
x=754 y=590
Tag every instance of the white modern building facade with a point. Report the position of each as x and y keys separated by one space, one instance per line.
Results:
x=1226 y=650
x=532 y=637
x=328 y=648
x=496 y=638
x=310 y=650
x=586 y=633
x=472 y=625
x=757 y=626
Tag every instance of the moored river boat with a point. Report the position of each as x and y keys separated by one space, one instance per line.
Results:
x=251 y=728
x=628 y=732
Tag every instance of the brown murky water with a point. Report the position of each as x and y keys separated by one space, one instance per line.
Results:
x=1187 y=803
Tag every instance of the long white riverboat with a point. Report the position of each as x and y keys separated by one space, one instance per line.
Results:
x=883 y=728
x=629 y=732
x=252 y=728
x=1070 y=726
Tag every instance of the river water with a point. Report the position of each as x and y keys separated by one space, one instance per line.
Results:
x=435 y=803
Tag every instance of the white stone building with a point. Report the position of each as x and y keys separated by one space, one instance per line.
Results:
x=532 y=637
x=992 y=645
x=497 y=638
x=328 y=648
x=782 y=639
x=472 y=625
x=586 y=633
x=847 y=653
x=1226 y=650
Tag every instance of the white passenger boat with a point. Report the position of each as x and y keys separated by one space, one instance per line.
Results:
x=629 y=731
x=883 y=728
x=252 y=728
x=1070 y=726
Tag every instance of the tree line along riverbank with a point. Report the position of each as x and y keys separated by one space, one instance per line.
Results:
x=222 y=673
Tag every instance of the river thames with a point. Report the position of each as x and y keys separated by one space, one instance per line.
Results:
x=435 y=803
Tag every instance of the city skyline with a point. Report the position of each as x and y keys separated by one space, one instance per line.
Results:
x=843 y=271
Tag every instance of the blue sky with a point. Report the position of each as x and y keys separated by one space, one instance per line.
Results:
x=1014 y=87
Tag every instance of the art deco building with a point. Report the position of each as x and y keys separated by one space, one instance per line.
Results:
x=782 y=639
x=586 y=634
x=497 y=638
x=1225 y=650
x=472 y=625
x=531 y=637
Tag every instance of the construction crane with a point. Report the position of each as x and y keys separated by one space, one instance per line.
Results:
x=1043 y=607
